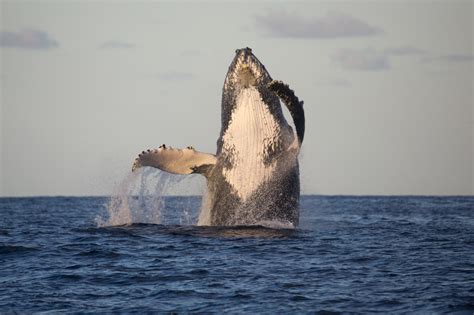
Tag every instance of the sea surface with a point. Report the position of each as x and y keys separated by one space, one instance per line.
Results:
x=349 y=255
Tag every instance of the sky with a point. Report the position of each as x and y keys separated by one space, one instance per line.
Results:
x=87 y=85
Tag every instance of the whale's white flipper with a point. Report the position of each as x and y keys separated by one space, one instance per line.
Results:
x=176 y=161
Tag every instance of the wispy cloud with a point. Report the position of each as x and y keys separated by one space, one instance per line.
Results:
x=404 y=51
x=457 y=57
x=370 y=59
x=367 y=59
x=332 y=25
x=115 y=44
x=27 y=39
x=175 y=76
x=451 y=58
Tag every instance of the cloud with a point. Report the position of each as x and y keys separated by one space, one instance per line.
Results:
x=370 y=59
x=334 y=25
x=404 y=51
x=175 y=76
x=114 y=44
x=367 y=59
x=27 y=39
x=457 y=57
x=450 y=58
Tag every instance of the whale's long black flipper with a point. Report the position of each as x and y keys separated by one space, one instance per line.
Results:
x=294 y=105
x=176 y=161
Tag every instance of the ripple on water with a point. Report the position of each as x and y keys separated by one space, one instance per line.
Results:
x=17 y=249
x=351 y=255
x=99 y=253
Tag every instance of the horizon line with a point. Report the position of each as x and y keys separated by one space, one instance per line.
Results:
x=302 y=195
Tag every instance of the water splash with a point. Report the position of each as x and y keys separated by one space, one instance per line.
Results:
x=141 y=198
x=205 y=213
x=118 y=209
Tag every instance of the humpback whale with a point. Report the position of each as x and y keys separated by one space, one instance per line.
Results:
x=254 y=175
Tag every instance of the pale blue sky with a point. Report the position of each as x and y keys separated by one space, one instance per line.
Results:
x=387 y=85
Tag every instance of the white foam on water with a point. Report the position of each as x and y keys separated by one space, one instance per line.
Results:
x=276 y=224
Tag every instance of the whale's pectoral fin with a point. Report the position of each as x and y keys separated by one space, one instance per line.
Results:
x=294 y=105
x=176 y=161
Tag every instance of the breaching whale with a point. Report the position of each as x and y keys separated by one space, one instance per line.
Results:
x=254 y=175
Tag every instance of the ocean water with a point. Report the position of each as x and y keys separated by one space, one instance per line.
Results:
x=349 y=255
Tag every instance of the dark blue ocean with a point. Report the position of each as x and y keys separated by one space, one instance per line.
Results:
x=349 y=255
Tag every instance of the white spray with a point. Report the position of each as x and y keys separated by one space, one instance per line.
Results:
x=140 y=198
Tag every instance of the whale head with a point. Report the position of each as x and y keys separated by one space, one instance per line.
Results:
x=245 y=71
x=248 y=76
